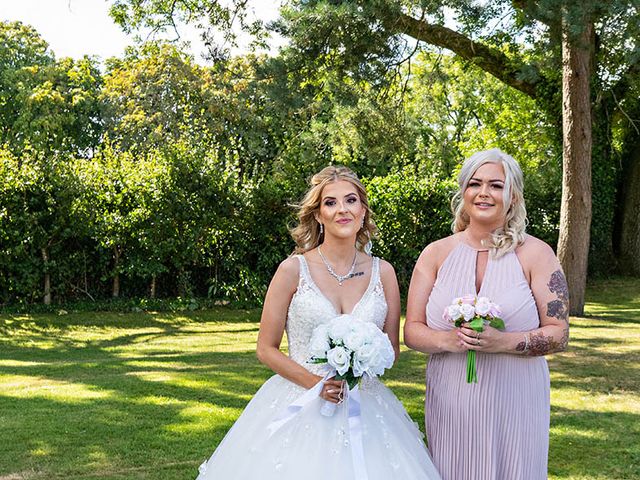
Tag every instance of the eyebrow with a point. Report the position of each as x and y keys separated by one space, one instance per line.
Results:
x=347 y=195
x=492 y=180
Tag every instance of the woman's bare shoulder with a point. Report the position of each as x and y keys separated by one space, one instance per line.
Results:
x=289 y=270
x=535 y=254
x=533 y=248
x=386 y=268
x=436 y=252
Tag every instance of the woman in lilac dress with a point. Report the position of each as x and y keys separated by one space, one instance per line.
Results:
x=497 y=428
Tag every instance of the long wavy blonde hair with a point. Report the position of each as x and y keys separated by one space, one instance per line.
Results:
x=512 y=233
x=307 y=233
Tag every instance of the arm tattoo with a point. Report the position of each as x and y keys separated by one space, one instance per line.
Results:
x=559 y=308
x=539 y=343
x=542 y=345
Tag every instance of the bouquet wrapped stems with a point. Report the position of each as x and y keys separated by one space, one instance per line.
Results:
x=472 y=373
x=476 y=324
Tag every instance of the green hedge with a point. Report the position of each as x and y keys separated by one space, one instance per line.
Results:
x=184 y=218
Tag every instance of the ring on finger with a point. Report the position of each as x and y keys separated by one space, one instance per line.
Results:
x=477 y=341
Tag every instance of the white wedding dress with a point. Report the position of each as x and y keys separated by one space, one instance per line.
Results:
x=315 y=447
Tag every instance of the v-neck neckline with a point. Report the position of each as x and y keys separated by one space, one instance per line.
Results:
x=315 y=287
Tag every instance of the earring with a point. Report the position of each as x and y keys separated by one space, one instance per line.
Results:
x=321 y=229
x=362 y=223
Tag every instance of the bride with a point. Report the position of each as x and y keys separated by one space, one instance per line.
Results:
x=329 y=275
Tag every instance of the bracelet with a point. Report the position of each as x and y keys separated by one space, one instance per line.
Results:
x=527 y=342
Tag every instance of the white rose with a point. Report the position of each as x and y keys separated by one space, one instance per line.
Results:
x=319 y=343
x=355 y=339
x=338 y=358
x=385 y=356
x=468 y=312
x=366 y=358
x=387 y=353
x=371 y=331
x=340 y=327
x=454 y=312
x=483 y=306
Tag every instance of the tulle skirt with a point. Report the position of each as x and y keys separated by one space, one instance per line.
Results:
x=312 y=446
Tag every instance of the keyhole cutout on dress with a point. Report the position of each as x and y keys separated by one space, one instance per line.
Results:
x=482 y=258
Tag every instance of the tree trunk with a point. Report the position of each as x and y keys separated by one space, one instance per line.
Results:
x=603 y=187
x=575 y=210
x=47 y=278
x=152 y=290
x=115 y=292
x=630 y=224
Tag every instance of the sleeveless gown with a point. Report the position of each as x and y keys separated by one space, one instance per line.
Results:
x=312 y=446
x=498 y=428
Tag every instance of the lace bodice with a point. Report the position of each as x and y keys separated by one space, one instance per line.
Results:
x=309 y=308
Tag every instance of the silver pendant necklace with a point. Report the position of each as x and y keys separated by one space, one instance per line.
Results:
x=339 y=278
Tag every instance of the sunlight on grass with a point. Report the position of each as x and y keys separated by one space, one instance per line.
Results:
x=584 y=433
x=197 y=418
x=114 y=396
x=20 y=363
x=393 y=384
x=587 y=401
x=42 y=451
x=22 y=386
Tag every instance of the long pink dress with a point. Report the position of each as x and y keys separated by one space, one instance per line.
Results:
x=497 y=428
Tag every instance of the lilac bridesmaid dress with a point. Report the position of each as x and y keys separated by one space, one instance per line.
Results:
x=498 y=428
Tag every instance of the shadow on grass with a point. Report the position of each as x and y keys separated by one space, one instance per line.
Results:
x=580 y=438
x=130 y=403
x=74 y=410
x=13 y=323
x=611 y=317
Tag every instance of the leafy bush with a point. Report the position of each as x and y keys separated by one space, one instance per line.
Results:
x=411 y=211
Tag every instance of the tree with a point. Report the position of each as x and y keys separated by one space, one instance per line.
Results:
x=117 y=203
x=51 y=106
x=520 y=43
x=37 y=225
x=21 y=49
x=575 y=211
x=492 y=39
x=154 y=95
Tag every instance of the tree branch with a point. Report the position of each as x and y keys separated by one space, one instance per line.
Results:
x=622 y=87
x=488 y=59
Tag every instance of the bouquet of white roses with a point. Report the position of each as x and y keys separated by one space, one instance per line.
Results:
x=351 y=348
x=477 y=312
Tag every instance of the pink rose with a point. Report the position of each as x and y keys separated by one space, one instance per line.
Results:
x=468 y=299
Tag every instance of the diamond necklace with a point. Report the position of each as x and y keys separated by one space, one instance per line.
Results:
x=339 y=278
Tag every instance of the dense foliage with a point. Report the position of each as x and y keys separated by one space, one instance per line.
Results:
x=158 y=177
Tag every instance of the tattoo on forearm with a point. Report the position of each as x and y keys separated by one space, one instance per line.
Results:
x=537 y=344
x=559 y=308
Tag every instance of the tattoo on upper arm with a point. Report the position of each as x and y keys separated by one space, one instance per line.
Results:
x=559 y=308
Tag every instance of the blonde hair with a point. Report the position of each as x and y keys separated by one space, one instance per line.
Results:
x=307 y=233
x=508 y=237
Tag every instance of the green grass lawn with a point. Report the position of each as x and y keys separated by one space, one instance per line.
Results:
x=149 y=395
